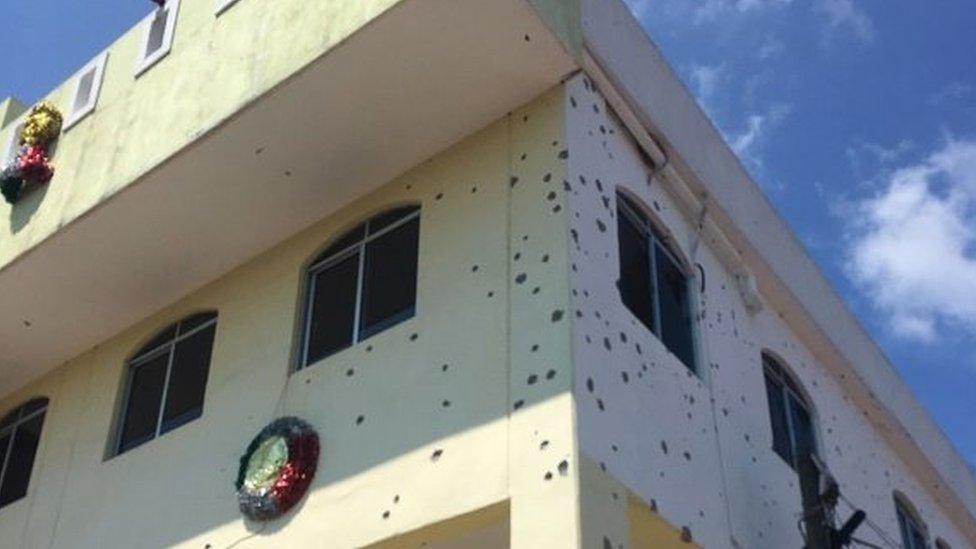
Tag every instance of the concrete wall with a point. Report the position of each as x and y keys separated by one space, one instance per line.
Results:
x=466 y=405
x=699 y=448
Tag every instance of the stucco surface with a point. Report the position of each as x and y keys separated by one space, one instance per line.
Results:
x=699 y=448
x=431 y=419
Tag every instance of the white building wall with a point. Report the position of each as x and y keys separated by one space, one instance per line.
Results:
x=699 y=449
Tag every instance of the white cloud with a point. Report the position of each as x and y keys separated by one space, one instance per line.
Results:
x=710 y=10
x=912 y=245
x=704 y=81
x=757 y=125
x=843 y=13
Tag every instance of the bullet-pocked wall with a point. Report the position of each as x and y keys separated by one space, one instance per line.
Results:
x=418 y=423
x=697 y=449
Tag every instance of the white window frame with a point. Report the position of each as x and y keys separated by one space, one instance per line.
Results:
x=78 y=112
x=220 y=6
x=143 y=61
x=13 y=145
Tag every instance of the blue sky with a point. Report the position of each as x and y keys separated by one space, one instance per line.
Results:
x=858 y=118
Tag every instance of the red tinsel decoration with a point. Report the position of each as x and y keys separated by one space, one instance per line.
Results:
x=297 y=474
x=34 y=165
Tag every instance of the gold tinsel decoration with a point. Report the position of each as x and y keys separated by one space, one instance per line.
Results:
x=43 y=125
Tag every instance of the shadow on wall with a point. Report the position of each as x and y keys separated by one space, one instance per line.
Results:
x=23 y=211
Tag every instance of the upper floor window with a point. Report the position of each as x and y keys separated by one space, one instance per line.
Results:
x=20 y=435
x=88 y=83
x=166 y=381
x=789 y=414
x=158 y=35
x=362 y=284
x=910 y=525
x=653 y=284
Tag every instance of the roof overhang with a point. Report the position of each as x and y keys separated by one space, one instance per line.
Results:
x=412 y=82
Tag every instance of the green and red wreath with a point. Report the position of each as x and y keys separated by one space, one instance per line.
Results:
x=277 y=469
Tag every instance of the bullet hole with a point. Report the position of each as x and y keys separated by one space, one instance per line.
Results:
x=545 y=258
x=563 y=154
x=413 y=337
x=535 y=348
x=614 y=448
x=589 y=384
x=446 y=403
x=513 y=181
x=518 y=404
x=524 y=156
x=563 y=468
x=687 y=455
x=574 y=235
x=606 y=543
x=520 y=279
x=308 y=382
x=360 y=420
x=548 y=475
x=625 y=377
x=436 y=455
x=599 y=185
x=572 y=101
x=566 y=186
x=532 y=379
x=547 y=178
x=474 y=190
x=517 y=256
x=599 y=404
x=544 y=444
x=386 y=515
x=528 y=38
x=606 y=343
x=601 y=225
x=536 y=290
x=491 y=294
x=444 y=367
x=396 y=499
x=550 y=374
x=350 y=372
x=474 y=268
x=664 y=447
x=258 y=151
x=557 y=315
x=369 y=348
x=439 y=196
x=27 y=323
x=551 y=195
x=686 y=534
x=287 y=173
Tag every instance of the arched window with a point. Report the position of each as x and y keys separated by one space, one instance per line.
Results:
x=362 y=284
x=789 y=413
x=913 y=531
x=166 y=381
x=653 y=283
x=20 y=435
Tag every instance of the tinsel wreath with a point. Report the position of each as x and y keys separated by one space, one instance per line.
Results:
x=277 y=468
x=34 y=165
x=11 y=182
x=42 y=126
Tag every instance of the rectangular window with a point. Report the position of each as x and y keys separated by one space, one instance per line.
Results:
x=88 y=84
x=220 y=6
x=333 y=310
x=782 y=443
x=20 y=460
x=652 y=284
x=159 y=27
x=390 y=258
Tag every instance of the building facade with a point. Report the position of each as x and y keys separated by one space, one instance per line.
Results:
x=491 y=252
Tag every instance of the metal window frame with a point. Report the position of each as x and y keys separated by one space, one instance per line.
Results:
x=145 y=61
x=78 y=112
x=647 y=226
x=169 y=348
x=358 y=247
x=909 y=523
x=12 y=431
x=791 y=398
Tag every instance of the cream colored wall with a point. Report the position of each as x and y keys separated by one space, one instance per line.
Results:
x=450 y=422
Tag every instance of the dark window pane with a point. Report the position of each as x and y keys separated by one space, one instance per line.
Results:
x=157 y=30
x=390 y=279
x=164 y=336
x=672 y=296
x=383 y=220
x=21 y=460
x=188 y=324
x=333 y=309
x=803 y=437
x=33 y=406
x=635 y=270
x=777 y=418
x=345 y=241
x=84 y=89
x=10 y=418
x=142 y=410
x=188 y=379
x=4 y=446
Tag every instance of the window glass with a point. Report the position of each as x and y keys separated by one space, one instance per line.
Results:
x=145 y=395
x=635 y=271
x=164 y=337
x=20 y=462
x=390 y=278
x=362 y=284
x=84 y=89
x=157 y=31
x=777 y=417
x=333 y=310
x=675 y=312
x=188 y=379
